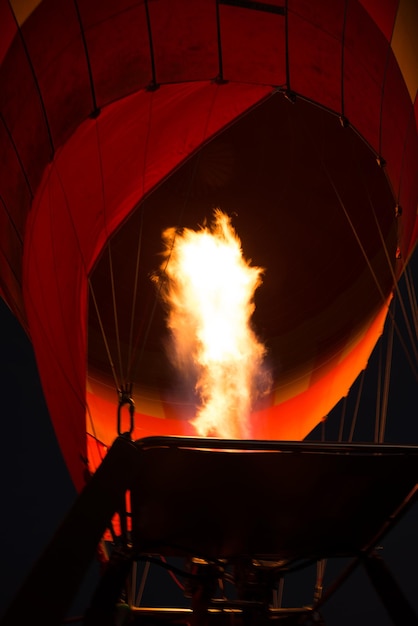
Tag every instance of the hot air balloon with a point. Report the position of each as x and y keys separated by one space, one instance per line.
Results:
x=120 y=120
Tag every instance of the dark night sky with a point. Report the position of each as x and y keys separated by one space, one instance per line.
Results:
x=37 y=491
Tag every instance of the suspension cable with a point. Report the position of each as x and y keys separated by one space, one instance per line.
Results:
x=112 y=282
x=378 y=396
x=320 y=573
x=279 y=593
x=409 y=283
x=100 y=446
x=388 y=363
x=134 y=297
x=115 y=315
x=142 y=584
x=355 y=414
x=342 y=420
x=106 y=343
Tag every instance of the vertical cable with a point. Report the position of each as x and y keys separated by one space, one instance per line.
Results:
x=114 y=303
x=342 y=420
x=134 y=298
x=18 y=157
x=320 y=573
x=388 y=364
x=132 y=361
x=409 y=283
x=411 y=123
x=115 y=314
x=142 y=584
x=96 y=110
x=153 y=84
x=220 y=76
x=355 y=414
x=36 y=83
x=286 y=42
x=343 y=60
x=378 y=396
x=104 y=336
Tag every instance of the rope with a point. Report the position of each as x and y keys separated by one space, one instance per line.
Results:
x=99 y=444
x=409 y=283
x=280 y=592
x=96 y=110
x=320 y=572
x=35 y=82
x=389 y=353
x=343 y=33
x=342 y=420
x=109 y=355
x=115 y=314
x=142 y=585
x=134 y=297
x=378 y=396
x=355 y=414
x=139 y=244
x=407 y=324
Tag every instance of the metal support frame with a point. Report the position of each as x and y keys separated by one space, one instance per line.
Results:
x=393 y=599
x=52 y=584
x=44 y=597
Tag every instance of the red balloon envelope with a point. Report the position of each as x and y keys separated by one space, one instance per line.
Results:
x=121 y=119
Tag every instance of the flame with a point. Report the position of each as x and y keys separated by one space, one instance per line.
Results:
x=208 y=288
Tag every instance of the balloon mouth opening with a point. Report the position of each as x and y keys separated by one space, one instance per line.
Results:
x=293 y=180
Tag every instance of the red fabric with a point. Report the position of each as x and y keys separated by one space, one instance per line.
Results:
x=396 y=112
x=407 y=192
x=9 y=28
x=246 y=57
x=365 y=59
x=184 y=41
x=58 y=59
x=383 y=12
x=315 y=48
x=69 y=180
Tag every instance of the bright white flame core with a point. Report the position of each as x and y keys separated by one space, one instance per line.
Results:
x=209 y=289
